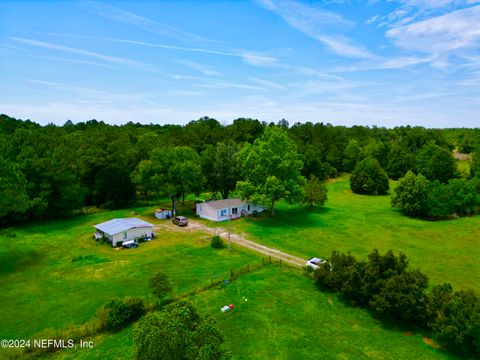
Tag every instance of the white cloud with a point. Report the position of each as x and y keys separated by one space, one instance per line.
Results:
x=107 y=58
x=320 y=25
x=114 y=13
x=443 y=34
x=202 y=68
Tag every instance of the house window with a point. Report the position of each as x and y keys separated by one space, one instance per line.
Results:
x=223 y=212
x=248 y=207
x=124 y=235
x=234 y=211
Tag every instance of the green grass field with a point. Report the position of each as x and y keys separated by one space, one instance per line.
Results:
x=43 y=288
x=286 y=317
x=444 y=250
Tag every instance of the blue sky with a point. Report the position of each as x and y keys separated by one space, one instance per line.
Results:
x=345 y=62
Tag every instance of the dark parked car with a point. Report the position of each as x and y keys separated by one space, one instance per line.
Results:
x=180 y=220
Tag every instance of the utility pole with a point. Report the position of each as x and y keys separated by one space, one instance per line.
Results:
x=229 y=216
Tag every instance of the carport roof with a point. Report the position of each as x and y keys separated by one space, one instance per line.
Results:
x=115 y=226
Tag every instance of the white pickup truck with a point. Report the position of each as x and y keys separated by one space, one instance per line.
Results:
x=315 y=263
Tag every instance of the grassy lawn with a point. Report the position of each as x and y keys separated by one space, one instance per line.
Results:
x=444 y=250
x=286 y=317
x=43 y=288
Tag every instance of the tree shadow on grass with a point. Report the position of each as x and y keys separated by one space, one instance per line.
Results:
x=404 y=328
x=11 y=262
x=291 y=217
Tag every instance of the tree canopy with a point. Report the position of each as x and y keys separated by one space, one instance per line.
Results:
x=369 y=178
x=271 y=168
x=178 y=332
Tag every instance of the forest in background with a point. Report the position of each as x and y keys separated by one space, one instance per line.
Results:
x=55 y=171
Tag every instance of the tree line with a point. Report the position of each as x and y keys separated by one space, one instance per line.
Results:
x=55 y=171
x=385 y=285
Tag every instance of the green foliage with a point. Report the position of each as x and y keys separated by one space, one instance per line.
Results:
x=457 y=321
x=14 y=200
x=160 y=285
x=177 y=170
x=384 y=284
x=353 y=155
x=416 y=196
x=402 y=296
x=412 y=195
x=113 y=188
x=115 y=314
x=220 y=167
x=178 y=332
x=400 y=161
x=369 y=178
x=316 y=193
x=217 y=242
x=271 y=167
x=475 y=165
x=436 y=163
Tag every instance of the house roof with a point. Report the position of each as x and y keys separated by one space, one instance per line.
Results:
x=116 y=226
x=224 y=204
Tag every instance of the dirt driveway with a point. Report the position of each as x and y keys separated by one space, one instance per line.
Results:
x=238 y=239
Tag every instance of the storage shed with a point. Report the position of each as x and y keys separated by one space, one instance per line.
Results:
x=163 y=214
x=117 y=231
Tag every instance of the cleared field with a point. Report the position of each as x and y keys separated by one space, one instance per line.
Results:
x=444 y=250
x=43 y=288
x=286 y=317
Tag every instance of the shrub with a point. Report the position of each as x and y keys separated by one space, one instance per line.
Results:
x=217 y=242
x=115 y=314
x=178 y=332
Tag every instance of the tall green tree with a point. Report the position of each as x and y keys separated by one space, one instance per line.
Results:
x=316 y=193
x=113 y=187
x=271 y=167
x=436 y=163
x=171 y=170
x=399 y=161
x=412 y=195
x=369 y=178
x=14 y=201
x=352 y=155
x=179 y=332
x=220 y=167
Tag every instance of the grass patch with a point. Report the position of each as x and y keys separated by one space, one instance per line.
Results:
x=443 y=250
x=54 y=274
x=286 y=317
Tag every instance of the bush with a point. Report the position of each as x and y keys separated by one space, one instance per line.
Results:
x=369 y=178
x=217 y=242
x=115 y=314
x=384 y=285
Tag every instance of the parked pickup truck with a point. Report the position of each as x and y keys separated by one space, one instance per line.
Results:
x=315 y=263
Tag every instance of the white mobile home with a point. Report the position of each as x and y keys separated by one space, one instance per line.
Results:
x=117 y=231
x=221 y=209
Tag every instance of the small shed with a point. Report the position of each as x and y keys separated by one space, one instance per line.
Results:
x=118 y=231
x=163 y=214
x=221 y=210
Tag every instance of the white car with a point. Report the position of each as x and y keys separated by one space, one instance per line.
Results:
x=315 y=263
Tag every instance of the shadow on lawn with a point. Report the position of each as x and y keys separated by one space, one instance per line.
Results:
x=292 y=217
x=11 y=262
